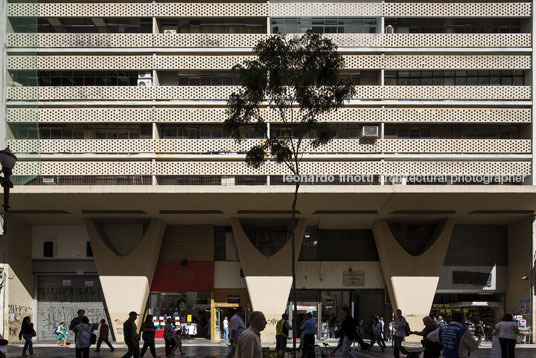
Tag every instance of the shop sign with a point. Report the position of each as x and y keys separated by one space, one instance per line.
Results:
x=225 y=305
x=233 y=299
x=307 y=307
x=353 y=278
x=175 y=276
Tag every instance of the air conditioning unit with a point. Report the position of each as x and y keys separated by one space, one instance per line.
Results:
x=170 y=31
x=145 y=74
x=145 y=82
x=370 y=132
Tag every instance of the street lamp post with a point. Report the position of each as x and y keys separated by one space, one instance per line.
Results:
x=8 y=161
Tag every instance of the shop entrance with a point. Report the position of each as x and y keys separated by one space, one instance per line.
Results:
x=326 y=306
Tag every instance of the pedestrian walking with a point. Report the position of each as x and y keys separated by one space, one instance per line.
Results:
x=383 y=336
x=62 y=334
x=391 y=331
x=249 y=343
x=132 y=339
x=27 y=332
x=236 y=327
x=308 y=328
x=376 y=334
x=282 y=329
x=348 y=333
x=455 y=338
x=400 y=330
x=169 y=336
x=225 y=329
x=507 y=330
x=178 y=342
x=76 y=321
x=147 y=334
x=479 y=329
x=83 y=338
x=431 y=349
x=104 y=332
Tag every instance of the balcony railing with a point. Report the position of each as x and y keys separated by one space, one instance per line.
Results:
x=49 y=40
x=273 y=9
x=219 y=146
x=218 y=115
x=221 y=167
x=186 y=62
x=134 y=93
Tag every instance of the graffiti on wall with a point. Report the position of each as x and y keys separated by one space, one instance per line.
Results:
x=15 y=315
x=51 y=314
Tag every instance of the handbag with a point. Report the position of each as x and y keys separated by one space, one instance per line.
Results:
x=93 y=338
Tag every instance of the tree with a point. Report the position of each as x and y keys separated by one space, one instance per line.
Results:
x=300 y=79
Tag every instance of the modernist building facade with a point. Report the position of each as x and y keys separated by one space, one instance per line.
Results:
x=130 y=196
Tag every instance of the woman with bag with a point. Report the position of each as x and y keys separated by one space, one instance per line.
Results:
x=83 y=338
x=62 y=334
x=27 y=331
x=507 y=331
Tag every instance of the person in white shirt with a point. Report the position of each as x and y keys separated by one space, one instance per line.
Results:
x=507 y=330
x=249 y=343
x=225 y=329
x=399 y=333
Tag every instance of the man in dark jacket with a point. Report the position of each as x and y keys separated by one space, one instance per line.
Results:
x=130 y=333
x=431 y=349
x=348 y=332
x=76 y=321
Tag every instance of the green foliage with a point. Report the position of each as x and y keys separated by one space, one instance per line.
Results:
x=299 y=78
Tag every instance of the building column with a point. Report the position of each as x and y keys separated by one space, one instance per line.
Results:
x=126 y=278
x=412 y=280
x=17 y=277
x=520 y=260
x=268 y=278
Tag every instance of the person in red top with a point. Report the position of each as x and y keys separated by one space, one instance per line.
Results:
x=104 y=331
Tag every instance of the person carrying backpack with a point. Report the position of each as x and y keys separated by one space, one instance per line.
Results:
x=401 y=330
x=62 y=334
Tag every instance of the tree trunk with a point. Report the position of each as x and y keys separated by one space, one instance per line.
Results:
x=294 y=295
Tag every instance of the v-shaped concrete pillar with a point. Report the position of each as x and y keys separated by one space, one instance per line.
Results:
x=269 y=278
x=411 y=280
x=126 y=280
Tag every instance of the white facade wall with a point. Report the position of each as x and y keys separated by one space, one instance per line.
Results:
x=70 y=241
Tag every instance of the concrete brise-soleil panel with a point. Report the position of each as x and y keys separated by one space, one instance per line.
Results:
x=126 y=280
x=412 y=280
x=268 y=278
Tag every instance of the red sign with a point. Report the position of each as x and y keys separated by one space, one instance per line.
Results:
x=178 y=276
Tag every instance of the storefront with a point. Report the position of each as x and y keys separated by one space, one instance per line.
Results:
x=326 y=305
x=488 y=308
x=182 y=291
x=225 y=304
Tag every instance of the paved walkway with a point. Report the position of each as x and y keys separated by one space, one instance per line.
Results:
x=205 y=349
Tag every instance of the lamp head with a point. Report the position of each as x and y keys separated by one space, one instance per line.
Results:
x=7 y=159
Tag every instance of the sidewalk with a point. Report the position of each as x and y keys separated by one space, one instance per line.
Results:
x=207 y=349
